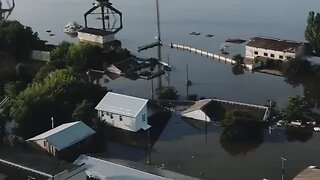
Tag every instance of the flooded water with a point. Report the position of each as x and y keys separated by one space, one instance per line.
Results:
x=181 y=147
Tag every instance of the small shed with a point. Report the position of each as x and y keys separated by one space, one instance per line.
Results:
x=62 y=137
x=123 y=66
x=123 y=111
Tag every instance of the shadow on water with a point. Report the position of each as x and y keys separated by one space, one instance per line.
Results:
x=133 y=146
x=298 y=134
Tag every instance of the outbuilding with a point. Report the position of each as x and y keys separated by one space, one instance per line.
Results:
x=63 y=137
x=125 y=112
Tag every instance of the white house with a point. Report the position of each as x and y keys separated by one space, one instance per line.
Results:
x=272 y=48
x=95 y=36
x=197 y=111
x=62 y=137
x=125 y=112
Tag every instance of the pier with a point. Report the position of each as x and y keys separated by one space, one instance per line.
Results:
x=209 y=55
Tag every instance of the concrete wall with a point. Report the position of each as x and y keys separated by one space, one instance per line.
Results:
x=40 y=55
x=250 y=53
x=197 y=115
x=95 y=38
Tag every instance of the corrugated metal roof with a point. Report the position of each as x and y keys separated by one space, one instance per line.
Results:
x=103 y=169
x=121 y=104
x=65 y=135
x=275 y=44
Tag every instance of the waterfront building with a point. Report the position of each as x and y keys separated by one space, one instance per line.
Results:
x=125 y=112
x=272 y=48
x=59 y=140
x=96 y=36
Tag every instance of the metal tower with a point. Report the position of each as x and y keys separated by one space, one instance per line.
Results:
x=5 y=13
x=108 y=15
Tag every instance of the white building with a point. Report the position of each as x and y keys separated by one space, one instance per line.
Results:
x=97 y=36
x=62 y=137
x=276 y=49
x=125 y=112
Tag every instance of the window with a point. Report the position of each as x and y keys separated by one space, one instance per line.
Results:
x=120 y=118
x=280 y=57
x=111 y=116
x=143 y=118
x=265 y=54
x=256 y=53
x=108 y=114
x=272 y=55
x=45 y=143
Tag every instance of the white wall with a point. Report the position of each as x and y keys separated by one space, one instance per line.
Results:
x=127 y=123
x=250 y=53
x=95 y=38
x=198 y=115
x=139 y=122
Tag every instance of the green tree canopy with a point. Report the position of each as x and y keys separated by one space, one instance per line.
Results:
x=57 y=95
x=85 y=112
x=17 y=39
x=240 y=125
x=167 y=93
x=77 y=56
x=297 y=105
x=312 y=32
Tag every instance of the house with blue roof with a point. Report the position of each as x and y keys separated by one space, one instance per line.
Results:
x=58 y=140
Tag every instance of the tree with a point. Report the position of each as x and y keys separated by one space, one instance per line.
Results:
x=312 y=32
x=238 y=58
x=296 y=107
x=17 y=39
x=167 y=93
x=297 y=67
x=84 y=112
x=240 y=125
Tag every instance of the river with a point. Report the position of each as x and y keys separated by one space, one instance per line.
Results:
x=180 y=147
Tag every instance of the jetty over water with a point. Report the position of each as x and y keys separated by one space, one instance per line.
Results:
x=210 y=55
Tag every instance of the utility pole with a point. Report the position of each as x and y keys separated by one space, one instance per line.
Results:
x=169 y=78
x=159 y=41
x=52 y=123
x=152 y=90
x=187 y=80
x=282 y=167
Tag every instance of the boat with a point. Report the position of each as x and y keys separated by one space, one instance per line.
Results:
x=195 y=33
x=316 y=129
x=209 y=35
x=236 y=40
x=224 y=49
x=72 y=28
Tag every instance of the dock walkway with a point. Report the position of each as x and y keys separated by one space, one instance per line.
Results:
x=208 y=54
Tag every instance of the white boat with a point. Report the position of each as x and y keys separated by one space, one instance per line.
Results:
x=224 y=49
x=72 y=28
x=316 y=129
